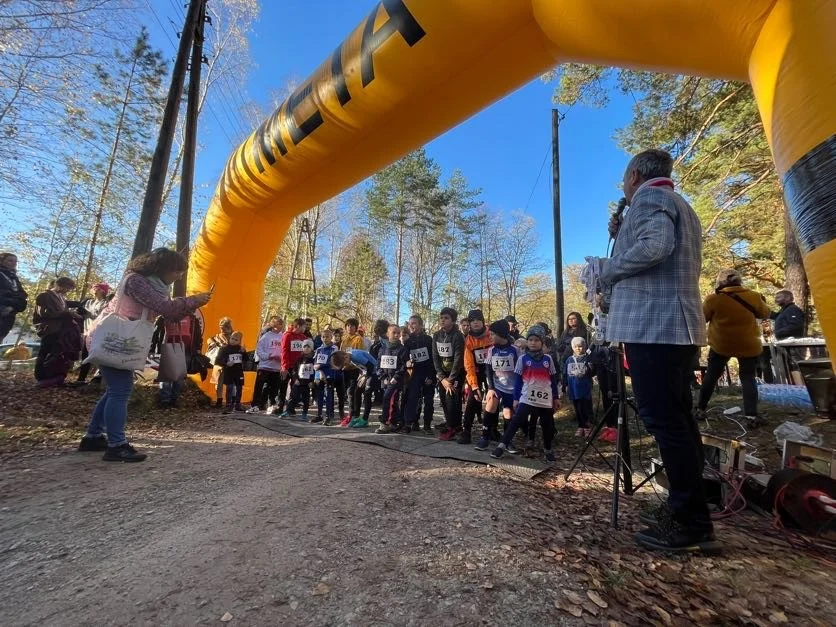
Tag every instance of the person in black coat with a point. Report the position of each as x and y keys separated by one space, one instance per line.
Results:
x=12 y=295
x=789 y=322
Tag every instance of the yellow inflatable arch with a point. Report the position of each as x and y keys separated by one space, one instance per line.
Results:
x=415 y=68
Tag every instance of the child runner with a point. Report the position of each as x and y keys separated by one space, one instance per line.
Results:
x=578 y=370
x=216 y=342
x=391 y=375
x=302 y=382
x=477 y=346
x=231 y=360
x=421 y=387
x=360 y=361
x=291 y=353
x=448 y=357
x=327 y=378
x=268 y=376
x=501 y=379
x=352 y=341
x=536 y=392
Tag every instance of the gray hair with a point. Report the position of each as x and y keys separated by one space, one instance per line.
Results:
x=651 y=164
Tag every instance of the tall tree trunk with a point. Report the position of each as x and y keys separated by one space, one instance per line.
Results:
x=399 y=271
x=795 y=275
x=97 y=224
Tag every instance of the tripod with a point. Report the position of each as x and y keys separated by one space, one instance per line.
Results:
x=622 y=468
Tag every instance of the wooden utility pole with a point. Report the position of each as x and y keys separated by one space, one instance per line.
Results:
x=151 y=206
x=184 y=212
x=558 y=243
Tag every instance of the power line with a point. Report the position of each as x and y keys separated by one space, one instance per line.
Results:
x=539 y=174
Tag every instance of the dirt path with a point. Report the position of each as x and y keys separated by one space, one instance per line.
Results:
x=226 y=517
x=271 y=529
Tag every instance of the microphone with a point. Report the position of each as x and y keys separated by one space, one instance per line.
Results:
x=615 y=221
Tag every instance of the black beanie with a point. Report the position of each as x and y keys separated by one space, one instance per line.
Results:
x=501 y=328
x=476 y=314
x=449 y=311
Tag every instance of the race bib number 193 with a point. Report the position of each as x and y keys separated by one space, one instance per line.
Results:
x=296 y=346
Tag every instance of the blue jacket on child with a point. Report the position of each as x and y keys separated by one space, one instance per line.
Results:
x=578 y=371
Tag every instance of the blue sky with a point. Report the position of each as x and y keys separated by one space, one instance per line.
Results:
x=505 y=166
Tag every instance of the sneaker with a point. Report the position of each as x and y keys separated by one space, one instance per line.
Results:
x=405 y=429
x=464 y=438
x=304 y=417
x=254 y=409
x=586 y=433
x=269 y=410
x=93 y=443
x=448 y=434
x=529 y=444
x=676 y=538
x=359 y=423
x=428 y=429
x=327 y=422
x=550 y=456
x=345 y=421
x=123 y=453
x=655 y=515
x=239 y=407
x=608 y=434
x=755 y=421
x=511 y=449
x=498 y=452
x=384 y=428
x=316 y=420
x=483 y=443
x=227 y=410
x=219 y=403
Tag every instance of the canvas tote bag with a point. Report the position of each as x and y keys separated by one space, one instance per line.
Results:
x=173 y=365
x=117 y=342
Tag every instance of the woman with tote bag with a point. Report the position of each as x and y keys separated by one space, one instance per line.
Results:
x=142 y=296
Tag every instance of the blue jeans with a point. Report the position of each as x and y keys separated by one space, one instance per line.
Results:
x=170 y=390
x=111 y=412
x=661 y=383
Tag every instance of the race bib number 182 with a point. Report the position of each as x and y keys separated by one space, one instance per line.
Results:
x=419 y=354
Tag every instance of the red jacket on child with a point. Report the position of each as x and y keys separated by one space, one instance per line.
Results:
x=292 y=349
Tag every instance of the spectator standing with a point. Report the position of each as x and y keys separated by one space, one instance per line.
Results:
x=12 y=295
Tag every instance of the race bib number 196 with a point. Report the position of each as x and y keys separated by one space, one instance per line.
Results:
x=296 y=346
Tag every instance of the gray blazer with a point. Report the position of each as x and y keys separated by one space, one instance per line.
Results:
x=654 y=272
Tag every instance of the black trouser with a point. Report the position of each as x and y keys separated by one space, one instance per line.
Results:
x=419 y=393
x=765 y=365
x=49 y=345
x=281 y=391
x=717 y=366
x=325 y=396
x=660 y=374
x=521 y=419
x=6 y=324
x=391 y=411
x=606 y=384
x=233 y=393
x=355 y=395
x=369 y=392
x=472 y=408
x=266 y=388
x=301 y=392
x=583 y=411
x=451 y=404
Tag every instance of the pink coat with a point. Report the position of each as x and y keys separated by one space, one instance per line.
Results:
x=137 y=294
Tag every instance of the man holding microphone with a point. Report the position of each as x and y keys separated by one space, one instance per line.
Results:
x=651 y=286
